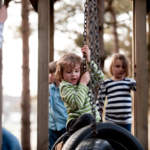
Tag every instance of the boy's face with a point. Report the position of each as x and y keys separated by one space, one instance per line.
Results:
x=72 y=75
x=51 y=78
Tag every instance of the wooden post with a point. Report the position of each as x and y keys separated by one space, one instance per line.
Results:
x=1 y=92
x=141 y=95
x=0 y=97
x=51 y=52
x=43 y=35
x=133 y=65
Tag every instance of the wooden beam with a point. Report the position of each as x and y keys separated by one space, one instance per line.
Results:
x=0 y=97
x=34 y=3
x=51 y=53
x=141 y=96
x=133 y=68
x=43 y=36
x=1 y=91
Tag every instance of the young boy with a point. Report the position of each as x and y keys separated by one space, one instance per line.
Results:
x=57 y=110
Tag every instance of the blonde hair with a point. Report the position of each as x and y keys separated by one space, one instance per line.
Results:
x=52 y=66
x=69 y=60
x=124 y=61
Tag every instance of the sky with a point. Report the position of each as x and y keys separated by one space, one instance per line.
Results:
x=12 y=53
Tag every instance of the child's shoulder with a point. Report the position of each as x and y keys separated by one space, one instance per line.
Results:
x=108 y=80
x=53 y=86
x=65 y=84
x=129 y=79
x=1 y=25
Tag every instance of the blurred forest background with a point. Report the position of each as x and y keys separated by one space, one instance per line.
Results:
x=20 y=111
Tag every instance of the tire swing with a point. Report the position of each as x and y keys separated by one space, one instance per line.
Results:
x=108 y=137
x=97 y=136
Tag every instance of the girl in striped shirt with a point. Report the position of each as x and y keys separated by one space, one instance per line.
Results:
x=74 y=89
x=117 y=90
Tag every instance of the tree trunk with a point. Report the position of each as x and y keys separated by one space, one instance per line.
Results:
x=114 y=24
x=149 y=54
x=25 y=130
x=116 y=42
x=101 y=31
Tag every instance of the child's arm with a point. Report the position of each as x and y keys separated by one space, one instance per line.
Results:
x=85 y=78
x=3 y=16
x=73 y=96
x=95 y=71
x=86 y=52
x=133 y=84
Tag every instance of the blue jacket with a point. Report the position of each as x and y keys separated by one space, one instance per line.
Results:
x=9 y=141
x=57 y=110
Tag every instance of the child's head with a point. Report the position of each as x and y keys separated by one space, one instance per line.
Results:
x=119 y=67
x=52 y=70
x=69 y=68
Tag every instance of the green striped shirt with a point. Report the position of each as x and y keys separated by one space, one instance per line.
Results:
x=76 y=99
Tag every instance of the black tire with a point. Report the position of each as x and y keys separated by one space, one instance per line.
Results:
x=118 y=137
x=77 y=137
x=94 y=144
x=59 y=140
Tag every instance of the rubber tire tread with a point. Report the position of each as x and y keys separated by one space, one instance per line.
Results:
x=58 y=140
x=107 y=131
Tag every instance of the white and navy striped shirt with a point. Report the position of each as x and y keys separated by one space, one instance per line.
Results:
x=119 y=102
